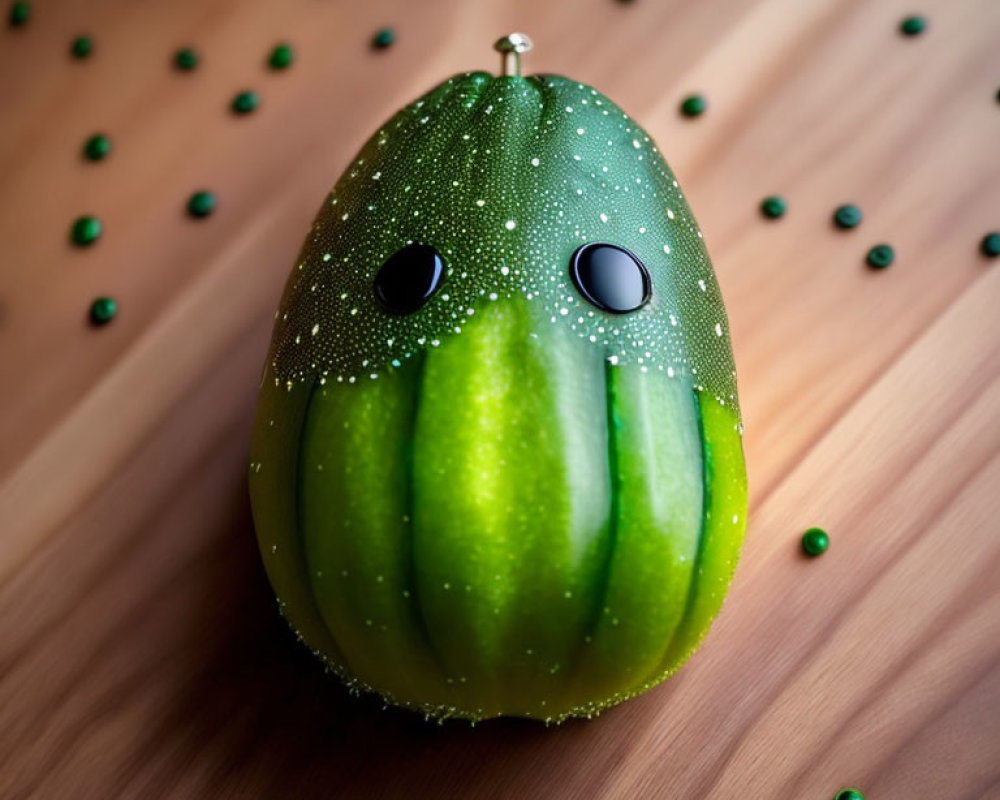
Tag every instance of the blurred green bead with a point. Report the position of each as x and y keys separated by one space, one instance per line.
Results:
x=694 y=105
x=773 y=207
x=383 y=38
x=281 y=57
x=849 y=794
x=847 y=216
x=880 y=256
x=103 y=310
x=86 y=230
x=815 y=541
x=913 y=25
x=19 y=14
x=990 y=245
x=82 y=47
x=201 y=204
x=245 y=102
x=186 y=59
x=97 y=147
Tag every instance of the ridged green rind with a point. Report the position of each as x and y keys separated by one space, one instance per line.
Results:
x=657 y=474
x=724 y=526
x=509 y=525
x=357 y=533
x=511 y=505
x=273 y=484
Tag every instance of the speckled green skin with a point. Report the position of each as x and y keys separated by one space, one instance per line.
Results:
x=494 y=507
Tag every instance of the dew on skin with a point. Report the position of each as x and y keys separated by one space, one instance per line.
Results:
x=424 y=188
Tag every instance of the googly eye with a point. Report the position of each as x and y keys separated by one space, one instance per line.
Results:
x=610 y=277
x=409 y=278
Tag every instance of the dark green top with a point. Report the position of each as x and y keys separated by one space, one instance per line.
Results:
x=506 y=177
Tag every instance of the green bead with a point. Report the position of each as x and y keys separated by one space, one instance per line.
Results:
x=815 y=541
x=773 y=207
x=849 y=794
x=103 y=310
x=86 y=230
x=19 y=14
x=81 y=47
x=97 y=147
x=694 y=105
x=201 y=204
x=880 y=256
x=990 y=245
x=281 y=56
x=186 y=59
x=913 y=25
x=847 y=216
x=245 y=102
x=383 y=38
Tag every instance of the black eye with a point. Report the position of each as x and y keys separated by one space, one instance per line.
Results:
x=409 y=278
x=610 y=277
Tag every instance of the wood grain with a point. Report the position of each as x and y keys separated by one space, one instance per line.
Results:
x=141 y=654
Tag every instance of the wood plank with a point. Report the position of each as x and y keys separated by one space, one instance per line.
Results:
x=141 y=653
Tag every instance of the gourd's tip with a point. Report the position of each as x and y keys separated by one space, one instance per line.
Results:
x=510 y=48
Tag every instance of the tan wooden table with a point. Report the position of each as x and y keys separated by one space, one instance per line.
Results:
x=140 y=650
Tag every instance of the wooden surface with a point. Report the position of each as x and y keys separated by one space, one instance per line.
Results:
x=140 y=651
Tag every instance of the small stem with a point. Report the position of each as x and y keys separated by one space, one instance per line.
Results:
x=510 y=48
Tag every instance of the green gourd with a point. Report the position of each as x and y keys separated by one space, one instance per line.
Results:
x=497 y=465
